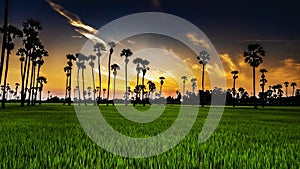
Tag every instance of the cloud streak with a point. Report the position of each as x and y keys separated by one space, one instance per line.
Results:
x=74 y=20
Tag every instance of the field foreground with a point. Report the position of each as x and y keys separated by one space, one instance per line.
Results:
x=50 y=136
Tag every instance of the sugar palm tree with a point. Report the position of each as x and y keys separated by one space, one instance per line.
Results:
x=115 y=67
x=81 y=65
x=16 y=89
x=263 y=81
x=144 y=71
x=161 y=84
x=92 y=58
x=194 y=84
x=4 y=40
x=11 y=32
x=152 y=87
x=70 y=59
x=126 y=53
x=293 y=84
x=184 y=79
x=41 y=80
x=40 y=55
x=286 y=88
x=235 y=76
x=98 y=48
x=111 y=50
x=203 y=58
x=31 y=43
x=254 y=57
x=138 y=62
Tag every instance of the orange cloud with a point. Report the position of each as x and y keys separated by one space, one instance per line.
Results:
x=193 y=37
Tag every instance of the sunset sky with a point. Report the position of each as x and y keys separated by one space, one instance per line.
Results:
x=229 y=25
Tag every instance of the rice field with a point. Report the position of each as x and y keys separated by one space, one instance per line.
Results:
x=50 y=136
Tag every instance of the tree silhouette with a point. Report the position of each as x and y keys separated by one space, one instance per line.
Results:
x=254 y=57
x=41 y=80
x=4 y=40
x=115 y=67
x=263 y=82
x=68 y=70
x=111 y=50
x=98 y=48
x=40 y=54
x=81 y=65
x=203 y=58
x=161 y=84
x=16 y=89
x=286 y=88
x=184 y=79
x=92 y=58
x=11 y=32
x=126 y=53
x=31 y=44
x=144 y=70
x=235 y=72
x=194 y=84
x=151 y=87
x=138 y=62
x=293 y=84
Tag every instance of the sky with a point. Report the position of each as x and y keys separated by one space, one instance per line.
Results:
x=229 y=25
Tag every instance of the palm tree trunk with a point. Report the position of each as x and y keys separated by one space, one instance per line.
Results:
x=293 y=90
x=66 y=93
x=31 y=86
x=126 y=87
x=82 y=75
x=40 y=97
x=23 y=87
x=78 y=86
x=263 y=96
x=94 y=88
x=99 y=75
x=5 y=78
x=202 y=98
x=254 y=95
x=286 y=92
x=69 y=87
x=26 y=84
x=233 y=92
x=114 y=87
x=4 y=41
x=108 y=85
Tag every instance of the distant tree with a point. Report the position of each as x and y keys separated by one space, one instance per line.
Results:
x=81 y=65
x=41 y=80
x=98 y=48
x=16 y=89
x=161 y=84
x=235 y=72
x=92 y=58
x=263 y=82
x=286 y=88
x=254 y=56
x=10 y=32
x=151 y=87
x=111 y=50
x=126 y=53
x=184 y=79
x=194 y=84
x=203 y=58
x=115 y=67
x=144 y=70
x=293 y=84
x=68 y=70
x=104 y=90
x=138 y=62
